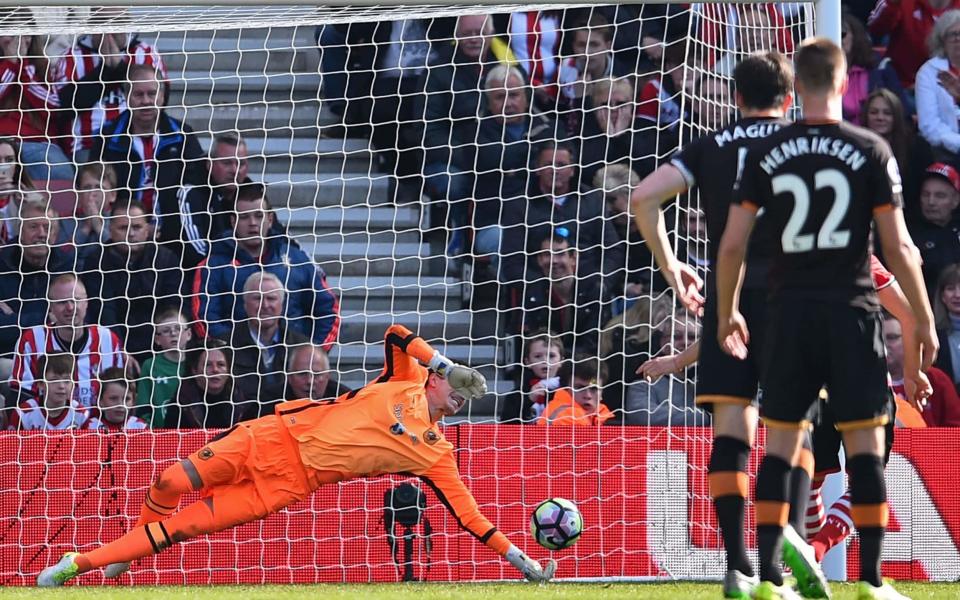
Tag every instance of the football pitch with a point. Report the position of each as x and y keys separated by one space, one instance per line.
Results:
x=431 y=591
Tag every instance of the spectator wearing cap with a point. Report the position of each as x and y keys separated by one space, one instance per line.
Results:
x=937 y=234
x=560 y=297
x=152 y=152
x=554 y=200
x=938 y=89
x=908 y=24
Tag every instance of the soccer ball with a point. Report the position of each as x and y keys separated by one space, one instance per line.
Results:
x=556 y=524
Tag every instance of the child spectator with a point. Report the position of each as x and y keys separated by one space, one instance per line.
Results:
x=580 y=402
x=162 y=373
x=208 y=398
x=115 y=406
x=96 y=193
x=54 y=406
x=865 y=71
x=538 y=379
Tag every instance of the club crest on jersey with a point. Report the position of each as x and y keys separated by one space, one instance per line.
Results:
x=205 y=454
x=397 y=429
x=431 y=437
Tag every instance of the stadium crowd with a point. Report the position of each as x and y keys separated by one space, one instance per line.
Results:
x=164 y=292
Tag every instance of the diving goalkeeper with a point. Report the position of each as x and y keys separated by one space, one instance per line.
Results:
x=263 y=465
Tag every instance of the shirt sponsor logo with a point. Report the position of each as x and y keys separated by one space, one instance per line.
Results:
x=397 y=429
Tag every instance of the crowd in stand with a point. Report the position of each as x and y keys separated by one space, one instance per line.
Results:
x=169 y=295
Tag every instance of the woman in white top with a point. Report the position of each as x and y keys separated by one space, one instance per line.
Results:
x=938 y=88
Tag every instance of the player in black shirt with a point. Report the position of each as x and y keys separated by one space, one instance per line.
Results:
x=821 y=183
x=725 y=385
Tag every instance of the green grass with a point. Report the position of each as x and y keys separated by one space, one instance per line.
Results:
x=432 y=591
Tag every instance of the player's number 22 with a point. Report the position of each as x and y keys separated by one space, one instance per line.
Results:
x=828 y=237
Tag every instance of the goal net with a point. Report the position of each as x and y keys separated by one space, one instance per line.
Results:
x=291 y=180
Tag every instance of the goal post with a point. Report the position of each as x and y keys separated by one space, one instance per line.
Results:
x=385 y=186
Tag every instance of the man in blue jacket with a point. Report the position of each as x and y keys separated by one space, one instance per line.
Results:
x=250 y=246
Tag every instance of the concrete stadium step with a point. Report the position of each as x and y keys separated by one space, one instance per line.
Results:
x=346 y=189
x=331 y=241
x=289 y=150
x=368 y=326
x=265 y=118
x=370 y=356
x=278 y=49
x=372 y=294
x=359 y=258
x=220 y=87
x=365 y=218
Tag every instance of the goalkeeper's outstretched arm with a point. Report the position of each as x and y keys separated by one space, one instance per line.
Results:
x=444 y=479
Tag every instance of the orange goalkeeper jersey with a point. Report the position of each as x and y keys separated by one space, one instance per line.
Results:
x=385 y=427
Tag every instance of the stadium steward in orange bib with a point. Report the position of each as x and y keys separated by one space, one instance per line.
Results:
x=261 y=466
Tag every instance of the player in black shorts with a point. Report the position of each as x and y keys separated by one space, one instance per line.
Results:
x=764 y=83
x=821 y=184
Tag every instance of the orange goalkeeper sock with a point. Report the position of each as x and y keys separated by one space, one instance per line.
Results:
x=163 y=497
x=152 y=538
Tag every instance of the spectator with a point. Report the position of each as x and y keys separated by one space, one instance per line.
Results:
x=153 y=153
x=946 y=308
x=866 y=73
x=883 y=114
x=208 y=398
x=669 y=400
x=610 y=134
x=131 y=278
x=14 y=181
x=308 y=376
x=535 y=41
x=199 y=213
x=563 y=299
x=554 y=199
x=96 y=193
x=452 y=99
x=943 y=406
x=751 y=29
x=635 y=274
x=710 y=102
x=538 y=378
x=692 y=242
x=162 y=373
x=311 y=307
x=92 y=78
x=500 y=156
x=26 y=269
x=580 y=401
x=908 y=24
x=28 y=103
x=626 y=340
x=95 y=347
x=114 y=410
x=659 y=101
x=591 y=59
x=53 y=406
x=938 y=89
x=260 y=341
x=937 y=235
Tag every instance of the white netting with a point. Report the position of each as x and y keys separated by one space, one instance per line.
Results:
x=375 y=132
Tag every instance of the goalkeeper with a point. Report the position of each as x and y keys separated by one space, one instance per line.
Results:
x=261 y=466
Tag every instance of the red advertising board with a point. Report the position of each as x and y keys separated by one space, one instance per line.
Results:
x=642 y=491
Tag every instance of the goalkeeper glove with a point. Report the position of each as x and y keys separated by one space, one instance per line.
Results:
x=467 y=382
x=530 y=568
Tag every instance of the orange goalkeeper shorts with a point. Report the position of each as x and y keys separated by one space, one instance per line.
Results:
x=256 y=467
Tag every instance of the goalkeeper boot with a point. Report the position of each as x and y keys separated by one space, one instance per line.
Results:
x=802 y=560
x=65 y=570
x=116 y=569
x=865 y=591
x=738 y=585
x=768 y=591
